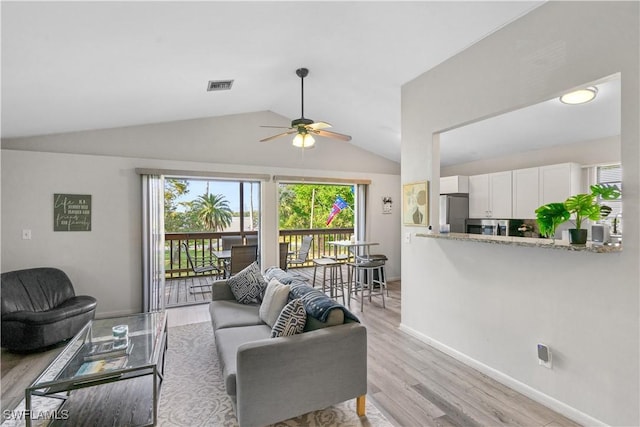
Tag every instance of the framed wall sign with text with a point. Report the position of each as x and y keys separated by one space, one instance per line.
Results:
x=71 y=212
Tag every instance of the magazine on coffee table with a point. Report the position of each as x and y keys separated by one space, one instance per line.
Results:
x=97 y=366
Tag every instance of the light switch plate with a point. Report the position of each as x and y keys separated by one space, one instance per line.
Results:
x=26 y=234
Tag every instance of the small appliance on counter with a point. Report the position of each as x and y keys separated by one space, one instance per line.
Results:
x=495 y=227
x=600 y=233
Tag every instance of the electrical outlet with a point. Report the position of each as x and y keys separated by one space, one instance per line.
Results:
x=26 y=234
x=544 y=355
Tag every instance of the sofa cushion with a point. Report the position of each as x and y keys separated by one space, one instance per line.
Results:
x=229 y=314
x=248 y=284
x=227 y=342
x=275 y=298
x=291 y=320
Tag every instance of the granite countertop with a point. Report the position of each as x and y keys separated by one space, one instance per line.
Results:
x=525 y=241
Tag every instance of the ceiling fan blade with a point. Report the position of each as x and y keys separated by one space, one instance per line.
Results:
x=276 y=127
x=333 y=135
x=319 y=125
x=278 y=135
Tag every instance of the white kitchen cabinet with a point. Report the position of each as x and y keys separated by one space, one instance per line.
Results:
x=526 y=194
x=454 y=184
x=534 y=187
x=557 y=182
x=490 y=195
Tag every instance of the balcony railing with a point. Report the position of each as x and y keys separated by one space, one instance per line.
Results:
x=202 y=244
x=321 y=239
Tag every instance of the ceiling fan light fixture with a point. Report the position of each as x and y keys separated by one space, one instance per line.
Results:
x=579 y=96
x=303 y=140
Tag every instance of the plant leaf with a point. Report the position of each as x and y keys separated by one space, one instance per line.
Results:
x=606 y=191
x=579 y=204
x=549 y=216
x=604 y=211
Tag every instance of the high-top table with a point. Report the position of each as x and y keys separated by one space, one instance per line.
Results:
x=76 y=367
x=360 y=248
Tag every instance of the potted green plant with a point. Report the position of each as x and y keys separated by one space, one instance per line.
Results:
x=582 y=206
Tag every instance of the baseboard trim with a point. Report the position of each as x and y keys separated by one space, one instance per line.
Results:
x=544 y=399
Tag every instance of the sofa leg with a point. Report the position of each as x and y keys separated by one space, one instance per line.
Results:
x=360 y=405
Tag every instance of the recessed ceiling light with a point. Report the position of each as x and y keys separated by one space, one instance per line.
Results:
x=579 y=96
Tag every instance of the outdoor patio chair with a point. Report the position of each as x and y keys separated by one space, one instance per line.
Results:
x=229 y=241
x=284 y=253
x=301 y=255
x=241 y=257
x=204 y=266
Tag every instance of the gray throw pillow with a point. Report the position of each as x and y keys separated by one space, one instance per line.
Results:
x=248 y=284
x=291 y=320
x=275 y=298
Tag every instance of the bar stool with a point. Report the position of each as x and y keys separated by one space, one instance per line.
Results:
x=383 y=272
x=378 y=257
x=362 y=275
x=336 y=288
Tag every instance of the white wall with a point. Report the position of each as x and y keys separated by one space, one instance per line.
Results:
x=106 y=262
x=489 y=305
x=232 y=139
x=586 y=153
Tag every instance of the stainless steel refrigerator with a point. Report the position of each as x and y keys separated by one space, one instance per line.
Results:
x=454 y=210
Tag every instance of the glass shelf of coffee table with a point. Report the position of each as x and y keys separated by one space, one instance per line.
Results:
x=76 y=367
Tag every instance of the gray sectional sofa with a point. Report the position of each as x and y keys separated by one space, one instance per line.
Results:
x=274 y=379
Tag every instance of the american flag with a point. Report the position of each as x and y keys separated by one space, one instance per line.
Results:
x=338 y=205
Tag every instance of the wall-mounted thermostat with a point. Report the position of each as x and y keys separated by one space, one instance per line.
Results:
x=544 y=355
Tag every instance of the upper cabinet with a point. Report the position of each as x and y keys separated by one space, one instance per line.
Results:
x=454 y=184
x=526 y=189
x=557 y=182
x=490 y=195
x=518 y=193
x=534 y=187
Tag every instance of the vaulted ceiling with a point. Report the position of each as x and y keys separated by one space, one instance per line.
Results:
x=70 y=66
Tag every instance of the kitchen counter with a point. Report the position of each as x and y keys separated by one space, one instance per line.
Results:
x=525 y=241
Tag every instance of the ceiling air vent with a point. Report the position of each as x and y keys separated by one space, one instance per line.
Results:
x=219 y=85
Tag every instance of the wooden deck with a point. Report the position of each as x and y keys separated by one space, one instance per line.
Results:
x=178 y=292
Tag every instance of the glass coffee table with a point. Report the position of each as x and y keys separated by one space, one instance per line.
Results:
x=89 y=359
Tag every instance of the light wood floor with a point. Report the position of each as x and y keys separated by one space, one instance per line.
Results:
x=412 y=383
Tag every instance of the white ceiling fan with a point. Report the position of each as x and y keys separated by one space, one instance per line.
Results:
x=305 y=128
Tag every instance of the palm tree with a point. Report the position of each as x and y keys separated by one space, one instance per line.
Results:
x=213 y=211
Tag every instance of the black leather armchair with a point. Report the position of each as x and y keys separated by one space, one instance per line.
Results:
x=40 y=308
